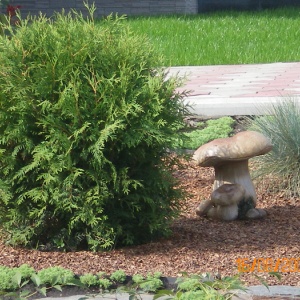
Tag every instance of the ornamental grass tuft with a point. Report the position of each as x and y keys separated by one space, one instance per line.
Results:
x=282 y=164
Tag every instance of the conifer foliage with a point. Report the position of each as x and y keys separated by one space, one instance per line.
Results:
x=86 y=118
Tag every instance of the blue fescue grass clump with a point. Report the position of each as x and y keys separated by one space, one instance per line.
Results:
x=282 y=126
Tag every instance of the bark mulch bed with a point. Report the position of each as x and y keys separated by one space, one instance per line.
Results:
x=197 y=244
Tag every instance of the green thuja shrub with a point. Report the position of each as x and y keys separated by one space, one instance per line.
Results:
x=86 y=119
x=282 y=126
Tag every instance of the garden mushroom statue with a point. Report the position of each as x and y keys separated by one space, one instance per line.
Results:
x=233 y=193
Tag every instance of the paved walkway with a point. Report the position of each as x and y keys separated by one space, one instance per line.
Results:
x=239 y=89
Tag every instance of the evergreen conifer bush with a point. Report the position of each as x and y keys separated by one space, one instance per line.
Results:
x=86 y=119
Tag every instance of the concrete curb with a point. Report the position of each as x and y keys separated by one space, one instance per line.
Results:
x=292 y=292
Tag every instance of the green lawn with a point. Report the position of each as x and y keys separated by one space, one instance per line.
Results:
x=224 y=38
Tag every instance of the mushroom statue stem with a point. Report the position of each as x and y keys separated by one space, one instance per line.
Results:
x=235 y=172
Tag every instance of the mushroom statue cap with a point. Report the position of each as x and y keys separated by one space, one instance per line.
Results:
x=242 y=146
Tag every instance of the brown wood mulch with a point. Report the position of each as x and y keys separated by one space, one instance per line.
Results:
x=197 y=244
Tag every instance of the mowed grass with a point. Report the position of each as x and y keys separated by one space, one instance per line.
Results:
x=224 y=37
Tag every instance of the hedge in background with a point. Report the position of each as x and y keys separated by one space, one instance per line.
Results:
x=85 y=122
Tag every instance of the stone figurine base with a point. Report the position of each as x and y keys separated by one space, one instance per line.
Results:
x=246 y=211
